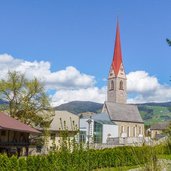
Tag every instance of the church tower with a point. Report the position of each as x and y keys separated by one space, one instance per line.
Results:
x=125 y=116
x=117 y=87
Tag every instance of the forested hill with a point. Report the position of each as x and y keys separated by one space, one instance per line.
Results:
x=3 y=102
x=77 y=107
x=150 y=112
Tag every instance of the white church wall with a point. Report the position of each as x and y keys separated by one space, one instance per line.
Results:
x=111 y=130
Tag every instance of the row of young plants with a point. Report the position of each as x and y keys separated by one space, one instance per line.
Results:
x=82 y=160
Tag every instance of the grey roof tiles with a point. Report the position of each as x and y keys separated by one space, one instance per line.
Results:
x=123 y=112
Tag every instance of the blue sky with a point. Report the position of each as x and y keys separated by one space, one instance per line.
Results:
x=81 y=34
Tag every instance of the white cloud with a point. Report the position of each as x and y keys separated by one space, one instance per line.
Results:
x=5 y=58
x=70 y=84
x=140 y=81
x=89 y=94
x=146 y=88
x=69 y=78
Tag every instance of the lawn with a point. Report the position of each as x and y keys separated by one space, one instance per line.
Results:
x=165 y=159
x=164 y=156
x=125 y=168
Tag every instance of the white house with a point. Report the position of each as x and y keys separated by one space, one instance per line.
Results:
x=97 y=129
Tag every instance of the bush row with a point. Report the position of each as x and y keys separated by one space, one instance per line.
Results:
x=81 y=160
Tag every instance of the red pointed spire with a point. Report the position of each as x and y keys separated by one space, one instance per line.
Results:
x=117 y=56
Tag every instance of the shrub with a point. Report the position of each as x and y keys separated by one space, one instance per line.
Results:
x=83 y=160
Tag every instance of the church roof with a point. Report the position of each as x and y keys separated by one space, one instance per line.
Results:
x=117 y=55
x=123 y=112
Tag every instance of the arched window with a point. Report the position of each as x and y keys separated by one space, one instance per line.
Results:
x=112 y=85
x=140 y=131
x=121 y=85
x=128 y=131
x=134 y=132
x=122 y=130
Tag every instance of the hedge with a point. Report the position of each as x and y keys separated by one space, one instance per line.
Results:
x=81 y=160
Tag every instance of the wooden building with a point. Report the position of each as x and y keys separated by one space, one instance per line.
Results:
x=14 y=135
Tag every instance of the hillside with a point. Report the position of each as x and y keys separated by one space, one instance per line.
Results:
x=150 y=112
x=155 y=112
x=77 y=107
x=3 y=102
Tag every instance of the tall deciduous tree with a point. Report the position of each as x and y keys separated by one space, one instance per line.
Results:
x=26 y=99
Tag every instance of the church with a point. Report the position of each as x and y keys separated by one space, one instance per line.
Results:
x=126 y=116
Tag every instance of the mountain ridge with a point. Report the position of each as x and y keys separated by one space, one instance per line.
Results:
x=150 y=112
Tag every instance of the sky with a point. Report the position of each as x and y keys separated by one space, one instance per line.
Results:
x=69 y=46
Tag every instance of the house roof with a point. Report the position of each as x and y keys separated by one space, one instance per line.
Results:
x=117 y=55
x=160 y=126
x=123 y=112
x=64 y=120
x=102 y=118
x=9 y=123
x=103 y=122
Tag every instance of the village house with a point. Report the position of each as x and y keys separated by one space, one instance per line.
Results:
x=14 y=135
x=64 y=125
x=127 y=117
x=97 y=129
x=157 y=130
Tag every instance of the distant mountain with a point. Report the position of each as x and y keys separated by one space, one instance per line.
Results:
x=164 y=104
x=150 y=112
x=77 y=107
x=3 y=102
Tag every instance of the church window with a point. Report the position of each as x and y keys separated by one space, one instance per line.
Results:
x=112 y=85
x=121 y=85
x=134 y=133
x=122 y=129
x=128 y=131
x=139 y=130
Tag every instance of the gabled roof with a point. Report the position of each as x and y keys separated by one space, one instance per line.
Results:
x=123 y=112
x=160 y=126
x=9 y=123
x=64 y=120
x=117 y=55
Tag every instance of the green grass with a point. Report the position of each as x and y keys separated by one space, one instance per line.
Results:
x=164 y=156
x=125 y=168
x=159 y=114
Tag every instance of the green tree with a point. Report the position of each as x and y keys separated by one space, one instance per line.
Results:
x=167 y=130
x=26 y=99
